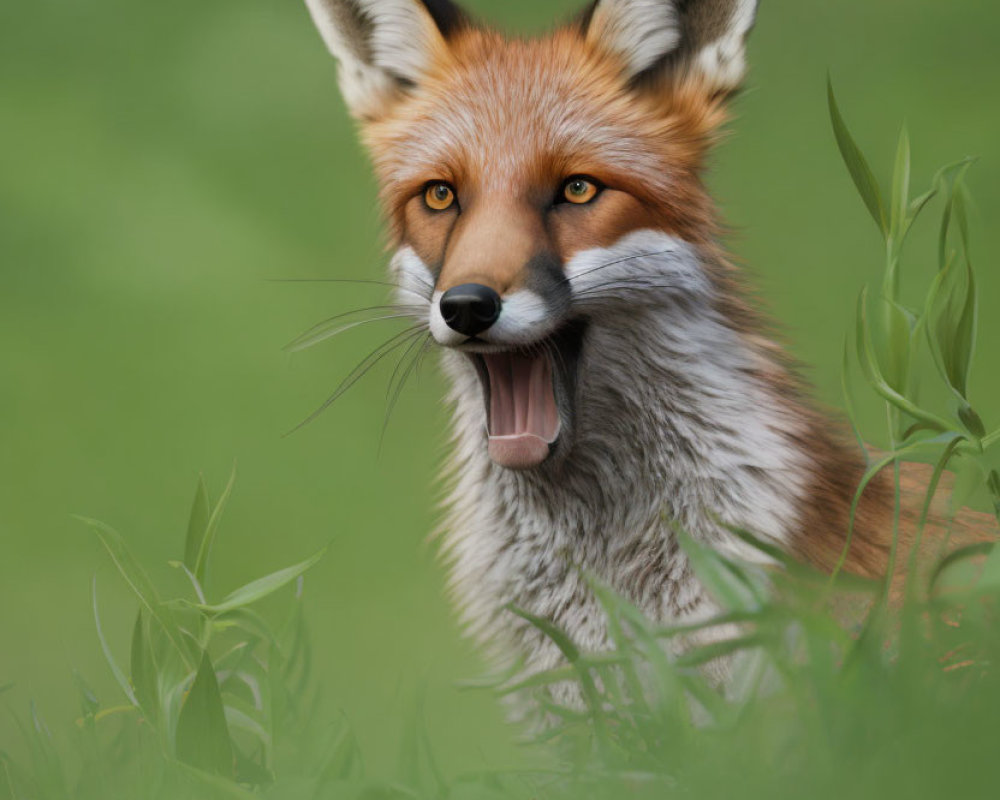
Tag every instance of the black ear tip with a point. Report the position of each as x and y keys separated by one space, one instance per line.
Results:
x=446 y=15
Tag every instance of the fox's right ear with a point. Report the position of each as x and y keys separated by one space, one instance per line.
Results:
x=383 y=47
x=700 y=39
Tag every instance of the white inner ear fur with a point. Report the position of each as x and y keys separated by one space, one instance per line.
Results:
x=377 y=43
x=644 y=31
x=640 y=31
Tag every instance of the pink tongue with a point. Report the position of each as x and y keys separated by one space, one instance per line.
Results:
x=524 y=420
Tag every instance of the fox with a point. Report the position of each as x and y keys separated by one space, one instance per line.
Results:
x=611 y=378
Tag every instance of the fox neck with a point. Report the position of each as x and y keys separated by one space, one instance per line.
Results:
x=682 y=418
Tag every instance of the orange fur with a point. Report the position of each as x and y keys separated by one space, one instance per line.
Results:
x=505 y=121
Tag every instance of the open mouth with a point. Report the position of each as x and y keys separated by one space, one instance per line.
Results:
x=529 y=397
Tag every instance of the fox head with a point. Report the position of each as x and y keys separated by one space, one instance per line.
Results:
x=540 y=189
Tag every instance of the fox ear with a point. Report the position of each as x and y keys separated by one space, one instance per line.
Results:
x=383 y=47
x=703 y=38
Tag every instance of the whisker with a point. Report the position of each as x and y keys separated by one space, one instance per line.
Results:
x=305 y=342
x=363 y=282
x=357 y=282
x=394 y=399
x=399 y=366
x=362 y=369
x=617 y=261
x=318 y=329
x=624 y=283
x=423 y=354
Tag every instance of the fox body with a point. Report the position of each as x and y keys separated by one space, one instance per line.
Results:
x=608 y=377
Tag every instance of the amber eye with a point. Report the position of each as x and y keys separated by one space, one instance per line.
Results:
x=580 y=190
x=439 y=196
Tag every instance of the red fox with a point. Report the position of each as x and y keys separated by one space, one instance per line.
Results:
x=609 y=378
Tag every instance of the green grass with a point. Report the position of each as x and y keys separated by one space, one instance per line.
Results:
x=218 y=701
x=159 y=164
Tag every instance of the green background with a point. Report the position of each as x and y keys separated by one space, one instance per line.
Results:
x=161 y=163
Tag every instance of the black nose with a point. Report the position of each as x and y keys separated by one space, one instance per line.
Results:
x=470 y=308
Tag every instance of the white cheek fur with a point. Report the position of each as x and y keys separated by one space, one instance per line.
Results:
x=643 y=259
x=414 y=281
x=525 y=319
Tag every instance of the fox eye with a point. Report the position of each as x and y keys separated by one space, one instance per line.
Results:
x=439 y=196
x=579 y=190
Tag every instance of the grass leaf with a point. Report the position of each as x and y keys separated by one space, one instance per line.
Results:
x=873 y=373
x=204 y=548
x=952 y=308
x=897 y=331
x=252 y=625
x=140 y=584
x=856 y=164
x=723 y=580
x=143 y=670
x=116 y=671
x=89 y=704
x=900 y=191
x=698 y=656
x=964 y=342
x=917 y=205
x=261 y=588
x=572 y=654
x=343 y=760
x=203 y=739
x=198 y=591
x=956 y=557
x=566 y=645
x=201 y=510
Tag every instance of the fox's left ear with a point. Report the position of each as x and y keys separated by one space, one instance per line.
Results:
x=383 y=47
x=701 y=39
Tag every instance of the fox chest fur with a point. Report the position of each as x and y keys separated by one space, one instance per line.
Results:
x=674 y=423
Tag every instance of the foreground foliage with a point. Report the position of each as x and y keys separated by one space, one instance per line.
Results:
x=218 y=701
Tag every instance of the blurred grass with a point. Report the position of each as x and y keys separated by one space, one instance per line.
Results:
x=159 y=163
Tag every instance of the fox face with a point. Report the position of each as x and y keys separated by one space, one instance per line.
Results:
x=537 y=189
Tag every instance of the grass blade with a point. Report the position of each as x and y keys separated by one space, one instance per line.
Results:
x=261 y=588
x=116 y=671
x=900 y=190
x=723 y=580
x=203 y=740
x=204 y=549
x=856 y=164
x=143 y=670
x=573 y=655
x=957 y=556
x=201 y=510
x=873 y=373
x=964 y=342
x=140 y=584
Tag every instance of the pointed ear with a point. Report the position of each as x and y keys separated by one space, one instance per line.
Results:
x=383 y=47
x=704 y=39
